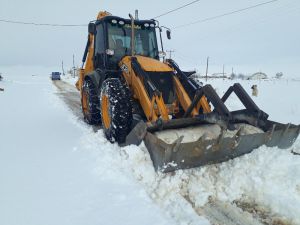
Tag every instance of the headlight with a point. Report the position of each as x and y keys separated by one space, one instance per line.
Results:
x=152 y=25
x=110 y=52
x=161 y=54
x=114 y=21
x=146 y=25
x=121 y=22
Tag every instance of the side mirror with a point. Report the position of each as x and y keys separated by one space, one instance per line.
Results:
x=92 y=28
x=169 y=34
x=162 y=54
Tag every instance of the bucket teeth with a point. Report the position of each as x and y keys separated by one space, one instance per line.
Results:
x=183 y=154
x=286 y=129
x=203 y=152
x=270 y=133
x=176 y=144
x=221 y=136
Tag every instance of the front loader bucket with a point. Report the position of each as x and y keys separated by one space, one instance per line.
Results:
x=181 y=153
x=213 y=137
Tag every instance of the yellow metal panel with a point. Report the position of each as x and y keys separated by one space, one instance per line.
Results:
x=153 y=65
x=79 y=83
x=162 y=107
x=105 y=111
x=137 y=88
x=89 y=65
x=204 y=105
x=183 y=97
x=103 y=14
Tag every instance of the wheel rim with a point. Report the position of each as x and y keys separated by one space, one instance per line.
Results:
x=85 y=106
x=105 y=111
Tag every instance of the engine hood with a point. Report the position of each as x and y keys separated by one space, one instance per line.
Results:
x=149 y=64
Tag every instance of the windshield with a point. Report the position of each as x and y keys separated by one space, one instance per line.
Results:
x=119 y=40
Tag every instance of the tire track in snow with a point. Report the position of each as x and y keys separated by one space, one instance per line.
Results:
x=71 y=97
x=237 y=213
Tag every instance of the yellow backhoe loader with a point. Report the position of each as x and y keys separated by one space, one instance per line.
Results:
x=137 y=97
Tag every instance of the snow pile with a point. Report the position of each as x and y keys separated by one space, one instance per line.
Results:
x=69 y=79
x=209 y=132
x=271 y=181
x=267 y=176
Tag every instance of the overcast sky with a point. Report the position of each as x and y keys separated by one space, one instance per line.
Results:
x=264 y=38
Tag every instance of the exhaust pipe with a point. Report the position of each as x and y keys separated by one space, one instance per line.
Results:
x=132 y=35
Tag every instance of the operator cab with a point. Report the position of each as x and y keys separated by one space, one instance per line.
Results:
x=113 y=40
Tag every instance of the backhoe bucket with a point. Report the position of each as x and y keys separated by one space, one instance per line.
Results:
x=196 y=146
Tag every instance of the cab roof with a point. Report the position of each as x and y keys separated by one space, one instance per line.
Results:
x=128 y=21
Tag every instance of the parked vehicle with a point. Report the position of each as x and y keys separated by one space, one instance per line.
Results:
x=55 y=75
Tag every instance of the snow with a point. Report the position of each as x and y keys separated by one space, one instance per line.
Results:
x=209 y=132
x=54 y=169
x=277 y=97
x=69 y=79
x=49 y=173
x=191 y=134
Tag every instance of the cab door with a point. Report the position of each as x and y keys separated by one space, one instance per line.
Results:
x=100 y=55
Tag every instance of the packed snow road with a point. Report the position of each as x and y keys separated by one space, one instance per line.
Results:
x=223 y=193
x=70 y=96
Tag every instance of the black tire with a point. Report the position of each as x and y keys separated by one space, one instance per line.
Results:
x=90 y=108
x=115 y=105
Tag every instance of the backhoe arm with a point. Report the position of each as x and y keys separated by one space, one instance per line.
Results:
x=87 y=61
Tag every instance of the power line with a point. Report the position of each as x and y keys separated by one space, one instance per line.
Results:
x=173 y=10
x=42 y=24
x=166 y=13
x=225 y=14
x=80 y=25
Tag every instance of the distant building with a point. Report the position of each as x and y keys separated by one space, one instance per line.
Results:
x=233 y=76
x=279 y=75
x=258 y=76
x=219 y=75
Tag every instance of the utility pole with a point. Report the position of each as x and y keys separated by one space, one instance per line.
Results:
x=207 y=67
x=136 y=14
x=62 y=67
x=73 y=65
x=170 y=53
